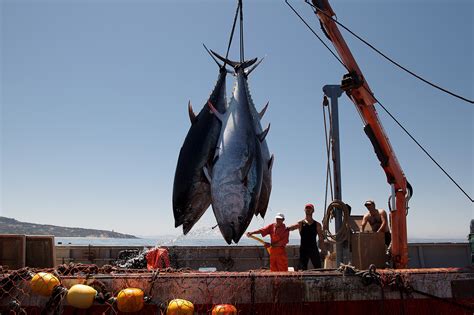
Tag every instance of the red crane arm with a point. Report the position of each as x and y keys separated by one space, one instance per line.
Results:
x=356 y=87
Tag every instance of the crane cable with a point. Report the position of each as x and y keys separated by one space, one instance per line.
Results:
x=383 y=107
x=390 y=59
x=328 y=150
x=344 y=231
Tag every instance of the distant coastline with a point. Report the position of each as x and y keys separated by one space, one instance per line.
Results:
x=12 y=226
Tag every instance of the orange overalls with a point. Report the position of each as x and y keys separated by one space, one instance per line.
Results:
x=279 y=236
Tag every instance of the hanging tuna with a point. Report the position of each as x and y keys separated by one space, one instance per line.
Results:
x=237 y=169
x=191 y=189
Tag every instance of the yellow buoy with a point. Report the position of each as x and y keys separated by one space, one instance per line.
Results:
x=224 y=309
x=180 y=307
x=43 y=283
x=130 y=300
x=81 y=296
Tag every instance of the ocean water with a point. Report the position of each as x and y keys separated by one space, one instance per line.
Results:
x=196 y=241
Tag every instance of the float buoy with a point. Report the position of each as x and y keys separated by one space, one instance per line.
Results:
x=180 y=307
x=224 y=309
x=81 y=296
x=43 y=283
x=130 y=300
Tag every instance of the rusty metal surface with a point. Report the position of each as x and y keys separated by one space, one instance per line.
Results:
x=261 y=289
x=242 y=258
x=462 y=289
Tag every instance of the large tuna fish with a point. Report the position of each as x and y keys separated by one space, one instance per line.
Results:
x=191 y=188
x=236 y=176
x=267 y=160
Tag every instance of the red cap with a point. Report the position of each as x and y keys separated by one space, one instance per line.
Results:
x=309 y=205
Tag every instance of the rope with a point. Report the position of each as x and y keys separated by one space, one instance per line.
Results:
x=241 y=32
x=314 y=33
x=328 y=151
x=419 y=145
x=232 y=32
x=344 y=231
x=391 y=60
x=258 y=239
x=395 y=281
x=422 y=148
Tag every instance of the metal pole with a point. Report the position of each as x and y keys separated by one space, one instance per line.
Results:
x=334 y=92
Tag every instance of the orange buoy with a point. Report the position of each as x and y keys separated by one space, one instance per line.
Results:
x=130 y=300
x=180 y=307
x=81 y=296
x=224 y=309
x=43 y=283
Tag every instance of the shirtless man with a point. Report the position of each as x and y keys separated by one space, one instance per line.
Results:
x=377 y=219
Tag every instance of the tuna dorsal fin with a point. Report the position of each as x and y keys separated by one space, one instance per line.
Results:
x=207 y=174
x=264 y=109
x=264 y=133
x=215 y=111
x=270 y=162
x=192 y=115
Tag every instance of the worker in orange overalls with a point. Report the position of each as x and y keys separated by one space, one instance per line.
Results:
x=279 y=238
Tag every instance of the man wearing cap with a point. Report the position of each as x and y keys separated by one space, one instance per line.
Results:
x=279 y=238
x=309 y=229
x=377 y=219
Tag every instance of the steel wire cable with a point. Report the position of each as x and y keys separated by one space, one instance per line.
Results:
x=328 y=167
x=383 y=107
x=314 y=33
x=242 y=56
x=232 y=32
x=421 y=147
x=390 y=59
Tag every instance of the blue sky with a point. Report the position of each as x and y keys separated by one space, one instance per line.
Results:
x=94 y=107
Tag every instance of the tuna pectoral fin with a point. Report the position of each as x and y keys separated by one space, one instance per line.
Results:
x=192 y=115
x=215 y=111
x=207 y=174
x=244 y=171
x=263 y=111
x=264 y=133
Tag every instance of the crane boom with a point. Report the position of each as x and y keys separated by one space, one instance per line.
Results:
x=357 y=88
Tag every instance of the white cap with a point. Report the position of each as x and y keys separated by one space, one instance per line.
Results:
x=280 y=216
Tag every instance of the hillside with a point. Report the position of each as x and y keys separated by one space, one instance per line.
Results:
x=12 y=226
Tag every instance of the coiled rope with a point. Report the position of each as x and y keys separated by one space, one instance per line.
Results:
x=344 y=231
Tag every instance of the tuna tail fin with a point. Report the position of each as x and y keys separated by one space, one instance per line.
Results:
x=235 y=64
x=221 y=67
x=249 y=71
x=212 y=56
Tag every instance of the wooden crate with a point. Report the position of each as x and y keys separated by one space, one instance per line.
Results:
x=368 y=248
x=40 y=251
x=12 y=251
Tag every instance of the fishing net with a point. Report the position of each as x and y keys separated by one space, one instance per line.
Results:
x=251 y=292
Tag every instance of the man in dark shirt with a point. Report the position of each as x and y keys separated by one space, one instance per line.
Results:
x=309 y=229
